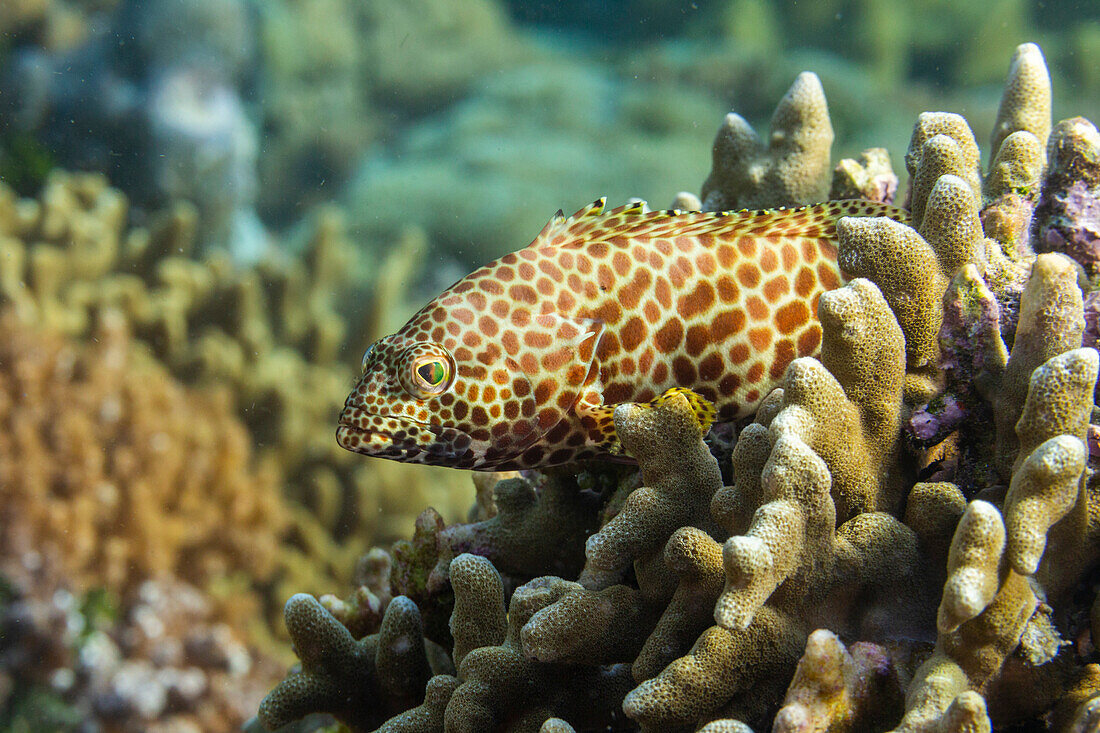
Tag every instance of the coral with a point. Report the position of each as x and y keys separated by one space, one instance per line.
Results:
x=834 y=688
x=156 y=658
x=871 y=178
x=539 y=527
x=697 y=560
x=792 y=169
x=1051 y=322
x=913 y=265
x=1025 y=104
x=122 y=473
x=390 y=668
x=848 y=416
x=720 y=664
x=923 y=490
x=483 y=623
x=1068 y=215
x=270 y=338
x=502 y=688
x=551 y=635
x=678 y=486
x=988 y=609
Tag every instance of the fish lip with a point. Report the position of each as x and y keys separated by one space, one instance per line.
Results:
x=345 y=427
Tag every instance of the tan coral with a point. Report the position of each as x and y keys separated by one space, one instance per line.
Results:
x=697 y=559
x=791 y=533
x=792 y=168
x=942 y=143
x=679 y=478
x=1044 y=488
x=393 y=665
x=617 y=621
x=732 y=506
x=484 y=623
x=1026 y=101
x=854 y=434
x=989 y=607
x=951 y=225
x=721 y=664
x=905 y=267
x=270 y=338
x=1051 y=322
x=839 y=689
x=1050 y=497
x=499 y=683
x=1017 y=166
x=123 y=473
x=871 y=177
x=973 y=566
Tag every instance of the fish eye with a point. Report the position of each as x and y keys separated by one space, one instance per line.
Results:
x=366 y=356
x=431 y=374
x=428 y=371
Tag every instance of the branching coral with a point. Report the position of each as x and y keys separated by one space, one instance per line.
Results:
x=389 y=668
x=680 y=478
x=792 y=168
x=119 y=472
x=834 y=688
x=270 y=339
x=504 y=689
x=953 y=356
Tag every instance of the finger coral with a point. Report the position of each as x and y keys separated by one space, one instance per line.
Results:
x=136 y=532
x=793 y=168
x=269 y=338
x=391 y=667
x=121 y=473
x=906 y=536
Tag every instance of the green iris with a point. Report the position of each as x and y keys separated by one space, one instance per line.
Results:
x=433 y=372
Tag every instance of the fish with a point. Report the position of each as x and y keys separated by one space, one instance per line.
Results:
x=521 y=363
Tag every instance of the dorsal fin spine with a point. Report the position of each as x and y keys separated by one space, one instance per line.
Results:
x=634 y=219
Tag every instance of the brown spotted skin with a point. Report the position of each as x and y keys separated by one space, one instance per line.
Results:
x=601 y=309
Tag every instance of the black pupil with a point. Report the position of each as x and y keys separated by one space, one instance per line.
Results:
x=427 y=372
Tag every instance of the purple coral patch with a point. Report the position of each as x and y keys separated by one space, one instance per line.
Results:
x=1076 y=230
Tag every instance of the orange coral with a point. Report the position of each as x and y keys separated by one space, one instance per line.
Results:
x=112 y=466
x=271 y=337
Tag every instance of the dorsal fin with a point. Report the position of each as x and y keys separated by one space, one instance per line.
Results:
x=592 y=223
x=561 y=229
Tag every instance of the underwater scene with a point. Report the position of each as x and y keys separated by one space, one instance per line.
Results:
x=549 y=366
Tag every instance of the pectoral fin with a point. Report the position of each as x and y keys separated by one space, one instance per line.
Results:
x=557 y=355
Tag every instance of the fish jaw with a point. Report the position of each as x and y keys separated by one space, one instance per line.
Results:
x=400 y=439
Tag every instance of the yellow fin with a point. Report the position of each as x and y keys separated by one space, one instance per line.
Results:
x=701 y=406
x=593 y=209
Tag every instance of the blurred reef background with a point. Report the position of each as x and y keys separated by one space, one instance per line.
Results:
x=209 y=208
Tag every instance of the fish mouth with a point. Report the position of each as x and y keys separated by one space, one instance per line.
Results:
x=407 y=440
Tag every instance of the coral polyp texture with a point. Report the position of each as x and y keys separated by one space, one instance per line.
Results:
x=903 y=537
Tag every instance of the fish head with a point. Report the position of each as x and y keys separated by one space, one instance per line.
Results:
x=416 y=402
